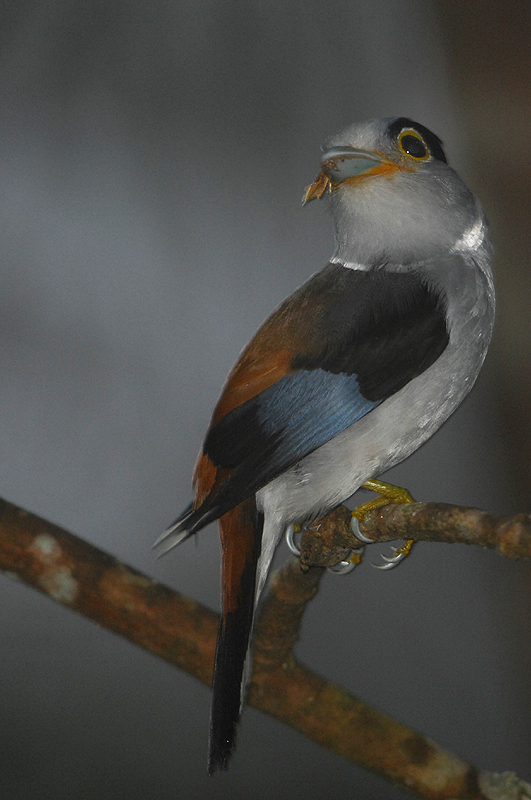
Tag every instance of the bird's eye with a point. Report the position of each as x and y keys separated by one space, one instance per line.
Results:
x=412 y=144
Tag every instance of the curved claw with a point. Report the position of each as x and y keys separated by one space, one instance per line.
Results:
x=355 y=525
x=399 y=555
x=391 y=562
x=290 y=540
x=343 y=568
x=385 y=567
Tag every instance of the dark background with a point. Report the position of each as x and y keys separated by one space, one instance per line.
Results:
x=152 y=161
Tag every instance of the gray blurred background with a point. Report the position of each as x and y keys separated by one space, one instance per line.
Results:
x=152 y=161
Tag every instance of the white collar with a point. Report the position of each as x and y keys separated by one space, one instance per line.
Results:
x=349 y=264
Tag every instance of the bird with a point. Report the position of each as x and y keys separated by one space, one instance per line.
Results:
x=348 y=376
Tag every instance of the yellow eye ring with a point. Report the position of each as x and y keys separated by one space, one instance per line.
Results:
x=413 y=145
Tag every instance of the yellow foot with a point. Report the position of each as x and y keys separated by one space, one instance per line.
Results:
x=388 y=494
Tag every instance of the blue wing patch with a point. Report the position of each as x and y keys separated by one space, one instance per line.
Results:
x=280 y=426
x=308 y=408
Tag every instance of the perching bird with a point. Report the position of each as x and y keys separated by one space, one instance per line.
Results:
x=349 y=376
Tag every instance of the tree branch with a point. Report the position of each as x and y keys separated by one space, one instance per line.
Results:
x=183 y=632
x=326 y=545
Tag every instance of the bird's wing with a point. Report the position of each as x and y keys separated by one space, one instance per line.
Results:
x=332 y=352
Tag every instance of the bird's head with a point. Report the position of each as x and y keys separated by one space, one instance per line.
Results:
x=393 y=195
x=378 y=147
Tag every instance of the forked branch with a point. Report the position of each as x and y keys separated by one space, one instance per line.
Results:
x=183 y=632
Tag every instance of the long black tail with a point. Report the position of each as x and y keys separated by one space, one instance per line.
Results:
x=241 y=536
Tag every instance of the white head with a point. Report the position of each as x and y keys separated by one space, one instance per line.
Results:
x=393 y=196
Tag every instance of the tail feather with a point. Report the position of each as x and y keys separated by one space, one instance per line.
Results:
x=241 y=534
x=186 y=524
x=175 y=533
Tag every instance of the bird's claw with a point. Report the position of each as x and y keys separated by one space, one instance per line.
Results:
x=342 y=568
x=399 y=554
x=355 y=525
x=394 y=561
x=388 y=494
x=290 y=540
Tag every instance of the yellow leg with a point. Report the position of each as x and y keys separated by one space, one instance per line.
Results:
x=388 y=494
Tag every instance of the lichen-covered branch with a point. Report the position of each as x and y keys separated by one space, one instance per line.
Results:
x=329 y=541
x=183 y=632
